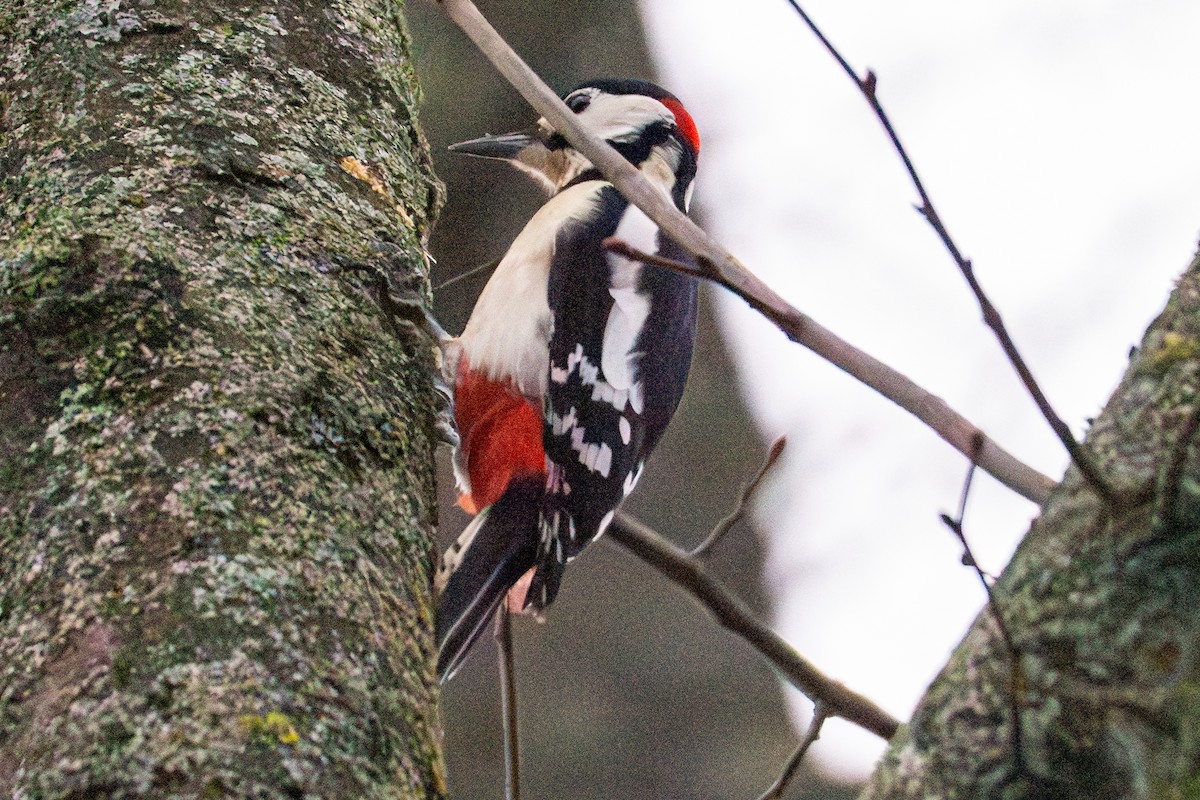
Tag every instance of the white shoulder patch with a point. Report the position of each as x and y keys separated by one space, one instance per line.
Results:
x=630 y=308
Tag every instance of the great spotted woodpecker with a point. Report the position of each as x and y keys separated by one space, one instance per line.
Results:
x=572 y=363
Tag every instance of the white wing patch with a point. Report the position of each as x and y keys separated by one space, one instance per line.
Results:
x=630 y=308
x=589 y=375
x=597 y=457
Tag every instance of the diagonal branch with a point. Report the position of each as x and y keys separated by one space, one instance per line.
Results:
x=930 y=409
x=775 y=790
x=718 y=265
x=1016 y=673
x=689 y=573
x=991 y=315
x=722 y=527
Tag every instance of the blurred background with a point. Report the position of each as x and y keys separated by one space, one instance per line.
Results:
x=1058 y=141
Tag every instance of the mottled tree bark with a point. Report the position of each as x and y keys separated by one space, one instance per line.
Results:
x=216 y=423
x=1103 y=607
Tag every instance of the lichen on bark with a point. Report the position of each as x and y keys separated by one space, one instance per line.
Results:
x=216 y=436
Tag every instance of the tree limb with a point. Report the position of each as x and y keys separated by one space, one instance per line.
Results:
x=690 y=574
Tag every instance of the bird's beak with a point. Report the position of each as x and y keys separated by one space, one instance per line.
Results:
x=525 y=150
x=507 y=146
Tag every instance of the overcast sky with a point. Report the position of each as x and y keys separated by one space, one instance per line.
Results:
x=1060 y=143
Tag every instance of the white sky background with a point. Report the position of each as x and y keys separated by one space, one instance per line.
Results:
x=1061 y=143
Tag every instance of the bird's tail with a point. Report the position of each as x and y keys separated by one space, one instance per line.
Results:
x=494 y=551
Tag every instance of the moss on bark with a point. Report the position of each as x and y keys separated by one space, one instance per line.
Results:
x=216 y=485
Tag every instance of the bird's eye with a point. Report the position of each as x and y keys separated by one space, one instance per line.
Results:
x=578 y=102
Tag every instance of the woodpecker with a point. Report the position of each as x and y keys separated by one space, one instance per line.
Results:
x=572 y=363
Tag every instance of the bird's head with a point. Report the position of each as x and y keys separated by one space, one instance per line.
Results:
x=644 y=122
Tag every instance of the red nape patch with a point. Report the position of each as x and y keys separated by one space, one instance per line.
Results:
x=501 y=435
x=684 y=121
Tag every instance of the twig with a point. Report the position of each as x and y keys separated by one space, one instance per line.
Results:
x=508 y=702
x=690 y=574
x=722 y=267
x=820 y=714
x=968 y=560
x=701 y=269
x=956 y=525
x=739 y=510
x=1016 y=679
x=462 y=276
x=991 y=315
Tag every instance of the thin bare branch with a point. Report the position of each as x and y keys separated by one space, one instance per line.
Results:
x=1016 y=678
x=621 y=247
x=462 y=276
x=775 y=791
x=508 y=703
x=739 y=510
x=956 y=526
x=968 y=560
x=991 y=315
x=690 y=575
x=722 y=267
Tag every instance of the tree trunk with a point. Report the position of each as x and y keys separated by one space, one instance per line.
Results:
x=216 y=422
x=1101 y=605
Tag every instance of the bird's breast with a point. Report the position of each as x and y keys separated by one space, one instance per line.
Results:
x=508 y=334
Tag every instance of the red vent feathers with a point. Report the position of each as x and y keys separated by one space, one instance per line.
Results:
x=501 y=436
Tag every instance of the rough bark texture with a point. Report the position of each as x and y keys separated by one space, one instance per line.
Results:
x=1101 y=604
x=216 y=486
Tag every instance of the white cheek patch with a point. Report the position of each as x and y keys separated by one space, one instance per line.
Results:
x=565 y=166
x=659 y=168
x=622 y=117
